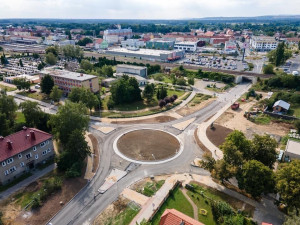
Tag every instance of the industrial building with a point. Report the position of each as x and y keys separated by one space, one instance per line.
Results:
x=134 y=70
x=262 y=43
x=132 y=43
x=66 y=80
x=189 y=46
x=148 y=54
x=160 y=44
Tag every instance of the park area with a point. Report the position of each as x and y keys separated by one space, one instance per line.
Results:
x=148 y=145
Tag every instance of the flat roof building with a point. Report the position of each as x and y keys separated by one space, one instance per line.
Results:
x=160 y=44
x=134 y=70
x=66 y=80
x=189 y=46
x=148 y=54
x=292 y=150
x=263 y=43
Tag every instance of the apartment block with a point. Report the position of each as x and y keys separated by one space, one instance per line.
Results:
x=262 y=43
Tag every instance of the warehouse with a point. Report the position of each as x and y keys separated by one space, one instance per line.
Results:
x=148 y=54
x=134 y=70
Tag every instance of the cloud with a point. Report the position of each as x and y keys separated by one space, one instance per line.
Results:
x=144 y=9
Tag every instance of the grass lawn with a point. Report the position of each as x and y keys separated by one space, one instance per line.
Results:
x=125 y=217
x=151 y=188
x=37 y=95
x=202 y=201
x=176 y=201
x=295 y=110
x=198 y=98
x=8 y=89
x=20 y=117
x=262 y=119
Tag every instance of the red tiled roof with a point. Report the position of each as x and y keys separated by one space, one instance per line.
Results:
x=174 y=217
x=266 y=223
x=21 y=141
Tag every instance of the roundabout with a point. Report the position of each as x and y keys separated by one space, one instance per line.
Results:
x=148 y=146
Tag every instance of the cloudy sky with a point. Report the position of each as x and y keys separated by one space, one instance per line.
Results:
x=144 y=9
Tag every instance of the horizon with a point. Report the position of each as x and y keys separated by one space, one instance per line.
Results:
x=144 y=10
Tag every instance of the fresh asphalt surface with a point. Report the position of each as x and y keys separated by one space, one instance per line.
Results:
x=88 y=203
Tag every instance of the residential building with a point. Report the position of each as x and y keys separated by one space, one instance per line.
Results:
x=134 y=70
x=281 y=106
x=22 y=151
x=160 y=44
x=262 y=43
x=66 y=42
x=66 y=80
x=189 y=46
x=148 y=54
x=113 y=36
x=174 y=217
x=292 y=150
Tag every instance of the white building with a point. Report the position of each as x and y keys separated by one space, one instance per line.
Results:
x=114 y=36
x=132 y=43
x=262 y=43
x=292 y=150
x=189 y=46
x=134 y=70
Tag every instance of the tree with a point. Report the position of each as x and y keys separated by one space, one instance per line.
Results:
x=191 y=80
x=21 y=63
x=47 y=84
x=84 y=41
x=292 y=218
x=107 y=71
x=85 y=96
x=256 y=178
x=264 y=149
x=51 y=58
x=53 y=49
x=5 y=128
x=287 y=183
x=73 y=52
x=75 y=94
x=268 y=69
x=162 y=93
x=22 y=83
x=223 y=170
x=148 y=92
x=279 y=57
x=86 y=65
x=162 y=103
x=32 y=113
x=56 y=94
x=70 y=117
x=297 y=125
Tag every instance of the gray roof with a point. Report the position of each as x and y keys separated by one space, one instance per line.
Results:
x=67 y=74
x=293 y=147
x=282 y=104
x=131 y=66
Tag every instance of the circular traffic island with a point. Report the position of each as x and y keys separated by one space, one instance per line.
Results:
x=148 y=145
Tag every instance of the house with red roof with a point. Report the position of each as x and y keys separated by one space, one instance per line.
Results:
x=23 y=151
x=174 y=217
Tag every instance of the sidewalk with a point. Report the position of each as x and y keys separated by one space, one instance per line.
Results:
x=5 y=194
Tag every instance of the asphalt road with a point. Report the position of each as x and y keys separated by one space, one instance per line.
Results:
x=84 y=207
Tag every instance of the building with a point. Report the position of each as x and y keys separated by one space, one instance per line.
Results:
x=22 y=151
x=189 y=46
x=174 y=217
x=148 y=54
x=262 y=43
x=66 y=80
x=66 y=42
x=113 y=36
x=134 y=70
x=32 y=79
x=160 y=44
x=132 y=43
x=292 y=150
x=141 y=80
x=281 y=106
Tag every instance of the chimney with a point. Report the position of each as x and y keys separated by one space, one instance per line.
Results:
x=9 y=145
x=81 y=74
x=32 y=134
x=24 y=128
x=1 y=138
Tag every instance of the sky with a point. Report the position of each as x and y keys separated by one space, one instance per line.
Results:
x=145 y=9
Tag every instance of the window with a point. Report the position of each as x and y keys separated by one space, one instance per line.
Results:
x=6 y=172
x=10 y=160
x=49 y=150
x=28 y=156
x=42 y=144
x=3 y=163
x=20 y=155
x=44 y=152
x=47 y=142
x=34 y=148
x=36 y=156
x=12 y=169
x=22 y=164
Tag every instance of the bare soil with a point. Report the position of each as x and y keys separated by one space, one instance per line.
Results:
x=144 y=144
x=158 y=119
x=96 y=152
x=188 y=109
x=217 y=134
x=13 y=214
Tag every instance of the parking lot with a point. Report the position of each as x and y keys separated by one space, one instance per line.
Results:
x=292 y=65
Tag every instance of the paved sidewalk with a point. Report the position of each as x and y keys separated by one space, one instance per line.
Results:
x=5 y=194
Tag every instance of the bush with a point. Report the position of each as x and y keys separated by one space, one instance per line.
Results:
x=167 y=100
x=181 y=81
x=162 y=103
x=35 y=203
x=110 y=103
x=297 y=125
x=175 y=97
x=221 y=209
x=75 y=170
x=268 y=69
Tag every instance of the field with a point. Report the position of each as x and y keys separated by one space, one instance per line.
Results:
x=8 y=88
x=175 y=201
x=37 y=95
